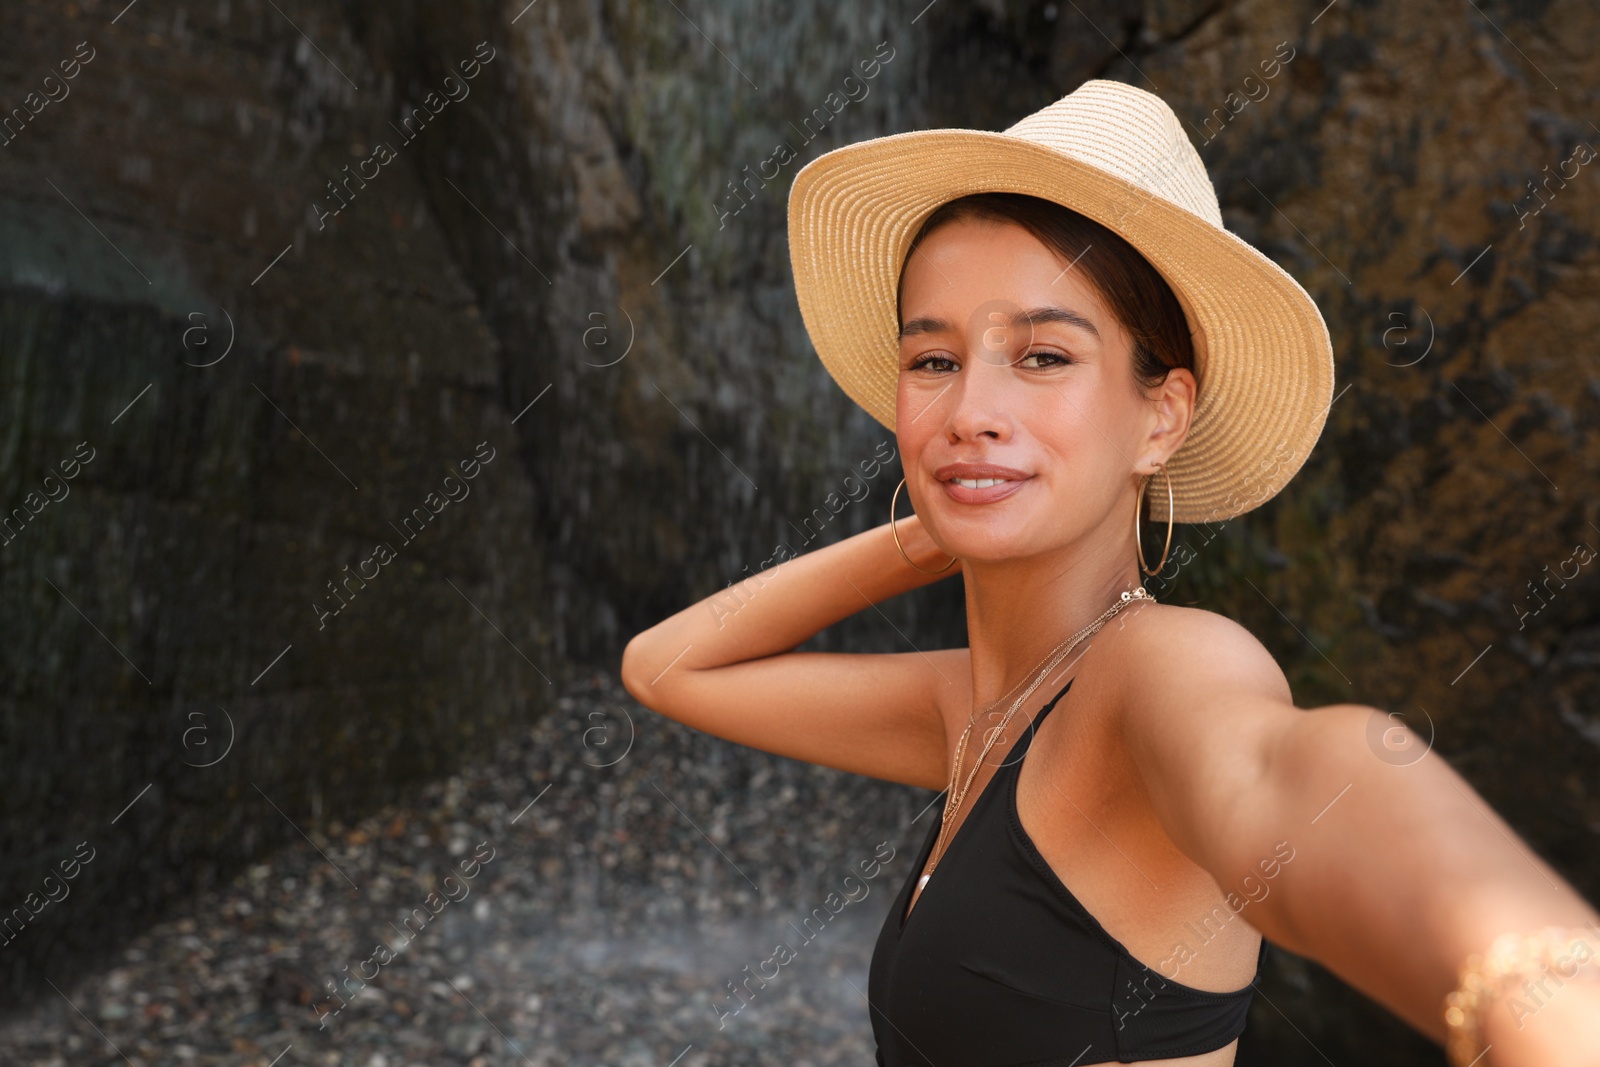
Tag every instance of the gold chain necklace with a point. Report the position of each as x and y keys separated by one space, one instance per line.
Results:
x=954 y=799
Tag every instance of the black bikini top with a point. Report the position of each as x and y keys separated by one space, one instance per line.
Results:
x=999 y=965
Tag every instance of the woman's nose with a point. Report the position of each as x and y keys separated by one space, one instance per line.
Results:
x=979 y=403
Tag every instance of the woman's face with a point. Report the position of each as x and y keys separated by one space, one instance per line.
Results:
x=1019 y=420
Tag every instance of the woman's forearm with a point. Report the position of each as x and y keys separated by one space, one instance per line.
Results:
x=786 y=604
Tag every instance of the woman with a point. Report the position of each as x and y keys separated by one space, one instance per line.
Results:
x=1052 y=319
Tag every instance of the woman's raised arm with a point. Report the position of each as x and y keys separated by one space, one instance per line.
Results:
x=1400 y=870
x=724 y=665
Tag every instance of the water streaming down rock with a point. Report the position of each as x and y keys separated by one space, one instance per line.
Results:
x=578 y=197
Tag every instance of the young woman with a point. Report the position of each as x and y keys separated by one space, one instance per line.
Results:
x=1054 y=320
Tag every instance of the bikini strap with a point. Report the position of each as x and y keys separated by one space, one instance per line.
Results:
x=1033 y=727
x=1039 y=718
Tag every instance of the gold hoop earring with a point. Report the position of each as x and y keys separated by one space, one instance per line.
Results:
x=896 y=535
x=1138 y=505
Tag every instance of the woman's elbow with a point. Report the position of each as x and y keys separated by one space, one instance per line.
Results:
x=629 y=668
x=637 y=670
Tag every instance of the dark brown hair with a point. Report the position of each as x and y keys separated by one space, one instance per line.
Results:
x=1130 y=287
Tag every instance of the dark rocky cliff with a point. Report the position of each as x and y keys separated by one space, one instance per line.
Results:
x=547 y=262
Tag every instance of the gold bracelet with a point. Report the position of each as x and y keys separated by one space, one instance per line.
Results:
x=1566 y=952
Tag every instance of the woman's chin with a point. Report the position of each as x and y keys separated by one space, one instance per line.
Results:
x=988 y=551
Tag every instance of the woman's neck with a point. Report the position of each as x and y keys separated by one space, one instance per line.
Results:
x=1019 y=610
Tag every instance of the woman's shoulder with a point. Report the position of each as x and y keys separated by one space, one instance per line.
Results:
x=1162 y=650
x=1184 y=630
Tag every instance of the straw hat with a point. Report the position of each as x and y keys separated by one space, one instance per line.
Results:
x=1118 y=155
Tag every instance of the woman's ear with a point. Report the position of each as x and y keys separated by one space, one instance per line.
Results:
x=1173 y=407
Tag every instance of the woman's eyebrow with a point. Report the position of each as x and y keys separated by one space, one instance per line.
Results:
x=1051 y=313
x=1026 y=317
x=925 y=324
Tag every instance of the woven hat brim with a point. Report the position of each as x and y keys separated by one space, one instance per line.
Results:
x=1264 y=359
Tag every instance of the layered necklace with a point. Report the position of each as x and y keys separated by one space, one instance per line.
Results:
x=954 y=797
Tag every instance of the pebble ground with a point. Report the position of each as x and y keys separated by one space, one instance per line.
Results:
x=637 y=868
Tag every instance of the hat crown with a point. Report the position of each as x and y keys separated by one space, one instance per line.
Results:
x=1129 y=133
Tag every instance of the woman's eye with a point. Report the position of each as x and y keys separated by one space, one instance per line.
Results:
x=927 y=361
x=1046 y=358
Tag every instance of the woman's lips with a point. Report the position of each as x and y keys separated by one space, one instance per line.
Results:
x=985 y=482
